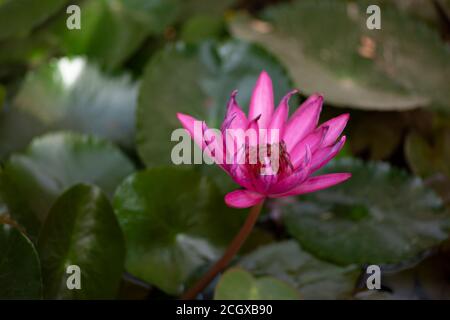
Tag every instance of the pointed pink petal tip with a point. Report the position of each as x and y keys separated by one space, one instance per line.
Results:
x=261 y=102
x=243 y=199
x=186 y=120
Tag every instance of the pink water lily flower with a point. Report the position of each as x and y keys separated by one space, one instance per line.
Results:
x=304 y=147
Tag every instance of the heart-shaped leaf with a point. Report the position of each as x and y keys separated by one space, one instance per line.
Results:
x=175 y=222
x=81 y=230
x=20 y=271
x=197 y=80
x=31 y=181
x=402 y=66
x=314 y=279
x=238 y=284
x=381 y=215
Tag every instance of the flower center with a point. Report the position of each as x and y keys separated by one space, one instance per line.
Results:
x=268 y=159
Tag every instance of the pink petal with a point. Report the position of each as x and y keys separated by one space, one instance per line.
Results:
x=295 y=178
x=253 y=125
x=316 y=183
x=241 y=176
x=281 y=113
x=303 y=121
x=188 y=123
x=243 y=198
x=336 y=126
x=261 y=103
x=314 y=140
x=198 y=135
x=323 y=156
x=235 y=118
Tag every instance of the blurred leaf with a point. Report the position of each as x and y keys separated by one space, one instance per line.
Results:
x=17 y=128
x=238 y=284
x=156 y=15
x=403 y=66
x=422 y=9
x=17 y=18
x=133 y=289
x=31 y=181
x=429 y=158
x=111 y=30
x=193 y=7
x=257 y=238
x=315 y=279
x=197 y=80
x=381 y=215
x=376 y=135
x=82 y=230
x=203 y=27
x=427 y=280
x=70 y=95
x=2 y=97
x=174 y=222
x=20 y=272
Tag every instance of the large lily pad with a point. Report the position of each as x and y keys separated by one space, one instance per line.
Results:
x=314 y=279
x=381 y=215
x=238 y=284
x=71 y=94
x=197 y=80
x=31 y=181
x=20 y=271
x=82 y=230
x=329 y=49
x=175 y=222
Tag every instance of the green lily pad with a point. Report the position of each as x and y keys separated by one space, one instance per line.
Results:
x=82 y=230
x=17 y=18
x=402 y=66
x=12 y=139
x=197 y=80
x=156 y=15
x=381 y=215
x=71 y=94
x=111 y=30
x=189 y=8
x=31 y=181
x=175 y=222
x=238 y=284
x=313 y=278
x=20 y=271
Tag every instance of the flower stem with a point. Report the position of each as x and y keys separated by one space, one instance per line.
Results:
x=231 y=251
